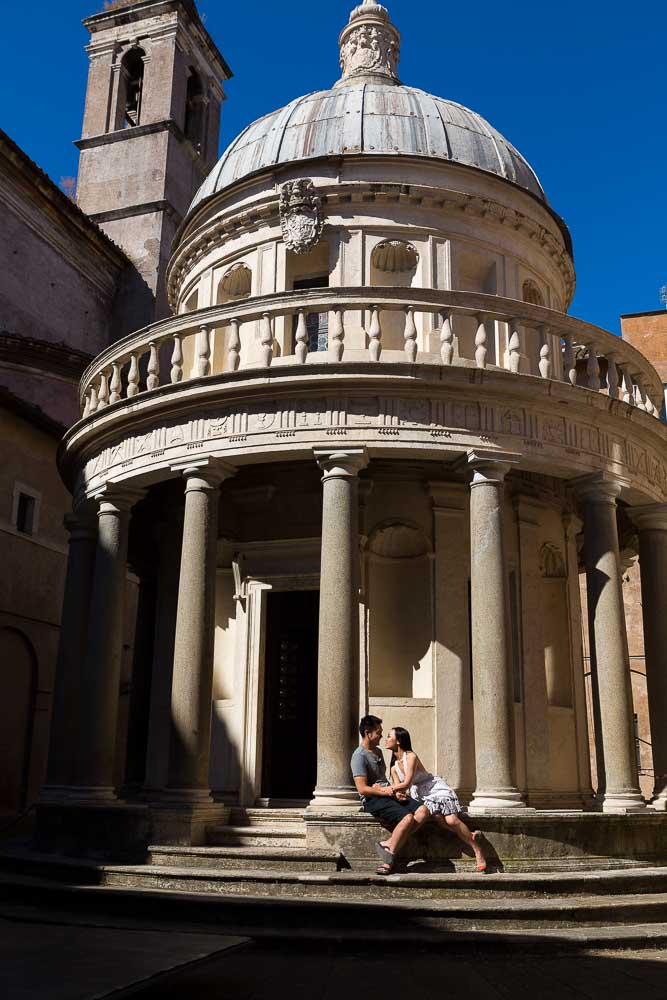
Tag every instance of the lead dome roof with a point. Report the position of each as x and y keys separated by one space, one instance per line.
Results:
x=370 y=112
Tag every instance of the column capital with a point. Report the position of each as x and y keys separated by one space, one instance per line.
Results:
x=599 y=488
x=113 y=499
x=652 y=517
x=490 y=467
x=207 y=474
x=81 y=526
x=448 y=498
x=341 y=463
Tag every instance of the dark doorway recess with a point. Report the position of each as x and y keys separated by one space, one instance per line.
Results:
x=290 y=696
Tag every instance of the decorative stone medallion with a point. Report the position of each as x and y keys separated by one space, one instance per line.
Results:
x=300 y=215
x=369 y=49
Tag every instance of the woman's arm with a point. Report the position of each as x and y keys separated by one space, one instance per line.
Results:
x=409 y=761
x=372 y=791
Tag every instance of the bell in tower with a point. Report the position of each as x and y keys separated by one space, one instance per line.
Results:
x=150 y=133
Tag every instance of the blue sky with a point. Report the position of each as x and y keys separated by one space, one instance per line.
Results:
x=579 y=87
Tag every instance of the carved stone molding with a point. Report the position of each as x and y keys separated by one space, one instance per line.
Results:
x=300 y=215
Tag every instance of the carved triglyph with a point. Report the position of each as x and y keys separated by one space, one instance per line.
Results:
x=300 y=215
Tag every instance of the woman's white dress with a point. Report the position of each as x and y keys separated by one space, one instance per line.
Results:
x=433 y=791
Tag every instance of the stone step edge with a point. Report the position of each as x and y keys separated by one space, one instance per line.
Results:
x=543 y=881
x=281 y=830
x=249 y=853
x=588 y=938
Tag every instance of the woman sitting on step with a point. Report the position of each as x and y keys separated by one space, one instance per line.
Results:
x=411 y=779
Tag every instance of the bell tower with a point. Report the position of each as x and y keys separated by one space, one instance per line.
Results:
x=150 y=133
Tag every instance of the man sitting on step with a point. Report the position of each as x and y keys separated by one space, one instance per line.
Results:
x=400 y=813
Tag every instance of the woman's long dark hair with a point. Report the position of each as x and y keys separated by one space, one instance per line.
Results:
x=403 y=740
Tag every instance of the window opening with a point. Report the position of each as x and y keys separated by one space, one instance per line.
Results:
x=317 y=324
x=194 y=112
x=133 y=70
x=25 y=514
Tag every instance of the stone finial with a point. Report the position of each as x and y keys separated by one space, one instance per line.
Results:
x=370 y=46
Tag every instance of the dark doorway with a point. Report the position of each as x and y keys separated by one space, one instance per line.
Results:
x=290 y=696
x=316 y=323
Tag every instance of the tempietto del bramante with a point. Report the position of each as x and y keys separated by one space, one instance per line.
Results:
x=361 y=467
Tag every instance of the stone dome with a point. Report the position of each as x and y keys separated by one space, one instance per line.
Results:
x=370 y=112
x=370 y=119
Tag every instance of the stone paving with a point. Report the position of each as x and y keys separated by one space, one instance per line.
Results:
x=261 y=972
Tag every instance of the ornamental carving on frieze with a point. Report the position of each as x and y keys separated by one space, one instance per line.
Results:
x=370 y=48
x=301 y=215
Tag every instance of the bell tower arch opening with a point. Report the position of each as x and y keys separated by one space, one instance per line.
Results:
x=150 y=133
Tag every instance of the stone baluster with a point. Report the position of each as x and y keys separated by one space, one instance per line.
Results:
x=93 y=397
x=116 y=383
x=177 y=361
x=493 y=695
x=375 y=335
x=234 y=345
x=202 y=365
x=612 y=375
x=192 y=682
x=514 y=347
x=266 y=339
x=652 y=524
x=410 y=335
x=610 y=661
x=100 y=676
x=103 y=392
x=447 y=339
x=153 y=380
x=481 y=342
x=337 y=346
x=545 y=365
x=593 y=369
x=302 y=338
x=627 y=388
x=569 y=361
x=133 y=377
x=640 y=400
x=82 y=528
x=86 y=405
x=338 y=667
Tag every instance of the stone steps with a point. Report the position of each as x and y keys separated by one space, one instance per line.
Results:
x=262 y=858
x=280 y=835
x=611 y=910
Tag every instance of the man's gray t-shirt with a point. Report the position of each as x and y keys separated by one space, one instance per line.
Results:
x=368 y=765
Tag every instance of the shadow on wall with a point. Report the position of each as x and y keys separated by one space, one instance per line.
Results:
x=17 y=709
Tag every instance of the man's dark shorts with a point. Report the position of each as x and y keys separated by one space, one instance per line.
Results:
x=389 y=810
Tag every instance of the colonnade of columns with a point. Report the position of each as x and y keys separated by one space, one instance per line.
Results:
x=84 y=721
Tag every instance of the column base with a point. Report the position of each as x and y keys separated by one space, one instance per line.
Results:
x=55 y=794
x=92 y=794
x=343 y=797
x=622 y=803
x=185 y=824
x=496 y=801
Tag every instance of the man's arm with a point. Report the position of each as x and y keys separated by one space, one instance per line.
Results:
x=373 y=791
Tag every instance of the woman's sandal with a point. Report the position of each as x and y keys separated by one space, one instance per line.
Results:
x=385 y=870
x=476 y=839
x=384 y=854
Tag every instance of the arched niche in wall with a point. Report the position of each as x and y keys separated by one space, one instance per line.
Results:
x=531 y=293
x=236 y=283
x=556 y=627
x=18 y=665
x=400 y=612
x=394 y=264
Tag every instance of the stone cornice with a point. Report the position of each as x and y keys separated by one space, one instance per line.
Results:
x=435 y=415
x=266 y=211
x=42 y=355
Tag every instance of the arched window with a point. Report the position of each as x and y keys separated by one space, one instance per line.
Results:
x=195 y=104
x=532 y=294
x=132 y=86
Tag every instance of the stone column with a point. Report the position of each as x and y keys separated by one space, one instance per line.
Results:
x=609 y=642
x=338 y=664
x=192 y=683
x=100 y=678
x=82 y=528
x=652 y=524
x=493 y=696
x=529 y=516
x=454 y=745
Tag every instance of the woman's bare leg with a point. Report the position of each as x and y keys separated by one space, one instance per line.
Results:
x=454 y=824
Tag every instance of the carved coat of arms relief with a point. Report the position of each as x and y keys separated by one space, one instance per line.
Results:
x=301 y=217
